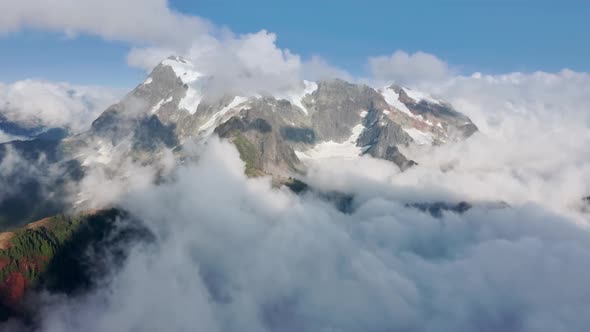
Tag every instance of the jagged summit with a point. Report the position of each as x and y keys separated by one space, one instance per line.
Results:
x=332 y=118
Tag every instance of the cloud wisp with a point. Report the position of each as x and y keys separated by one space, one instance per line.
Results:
x=36 y=103
x=408 y=69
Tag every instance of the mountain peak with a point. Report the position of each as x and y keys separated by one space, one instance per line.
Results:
x=277 y=128
x=183 y=68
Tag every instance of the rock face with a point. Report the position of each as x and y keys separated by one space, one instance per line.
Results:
x=275 y=133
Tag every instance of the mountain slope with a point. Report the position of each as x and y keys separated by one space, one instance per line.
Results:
x=177 y=103
x=278 y=134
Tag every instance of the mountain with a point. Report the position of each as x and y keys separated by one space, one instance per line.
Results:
x=274 y=133
x=49 y=254
x=277 y=133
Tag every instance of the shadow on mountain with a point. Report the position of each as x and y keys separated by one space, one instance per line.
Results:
x=298 y=134
x=31 y=195
x=151 y=133
x=65 y=255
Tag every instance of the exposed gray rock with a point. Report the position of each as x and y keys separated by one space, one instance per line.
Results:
x=174 y=104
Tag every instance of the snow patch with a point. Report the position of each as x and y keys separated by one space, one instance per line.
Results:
x=295 y=97
x=191 y=100
x=418 y=96
x=364 y=114
x=331 y=149
x=209 y=126
x=148 y=81
x=420 y=137
x=183 y=68
x=392 y=98
x=160 y=103
x=103 y=155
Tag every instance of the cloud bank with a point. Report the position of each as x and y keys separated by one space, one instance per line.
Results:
x=235 y=254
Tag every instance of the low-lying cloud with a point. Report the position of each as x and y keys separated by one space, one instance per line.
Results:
x=237 y=254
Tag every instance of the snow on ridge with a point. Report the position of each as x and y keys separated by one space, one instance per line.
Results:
x=160 y=103
x=147 y=81
x=183 y=68
x=296 y=96
x=191 y=100
x=420 y=137
x=392 y=98
x=331 y=149
x=209 y=126
x=418 y=96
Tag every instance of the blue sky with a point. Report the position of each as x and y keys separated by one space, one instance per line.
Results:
x=478 y=35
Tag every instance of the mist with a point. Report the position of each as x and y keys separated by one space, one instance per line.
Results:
x=234 y=253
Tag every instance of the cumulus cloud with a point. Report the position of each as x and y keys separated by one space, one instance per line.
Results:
x=33 y=103
x=236 y=254
x=155 y=31
x=502 y=104
x=535 y=129
x=317 y=68
x=408 y=69
x=248 y=63
x=136 y=21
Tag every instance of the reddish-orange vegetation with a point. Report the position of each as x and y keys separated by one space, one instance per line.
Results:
x=12 y=289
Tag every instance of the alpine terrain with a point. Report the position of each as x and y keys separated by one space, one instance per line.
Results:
x=176 y=106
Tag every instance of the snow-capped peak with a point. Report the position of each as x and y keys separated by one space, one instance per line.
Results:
x=184 y=69
x=296 y=96
x=420 y=96
x=392 y=98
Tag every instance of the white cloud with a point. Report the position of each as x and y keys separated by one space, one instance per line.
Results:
x=408 y=69
x=317 y=68
x=235 y=254
x=243 y=64
x=155 y=31
x=41 y=103
x=244 y=255
x=503 y=104
x=136 y=21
